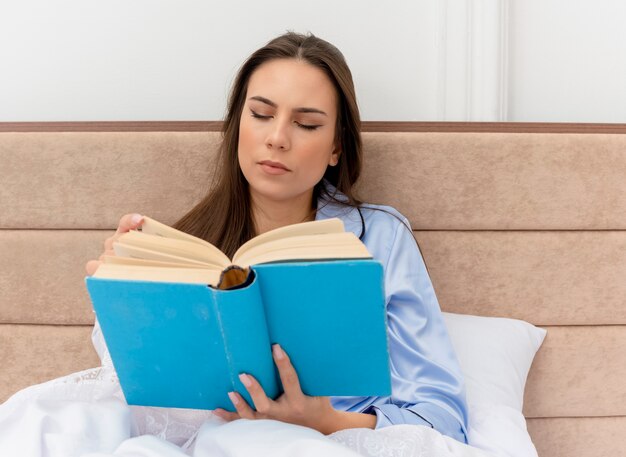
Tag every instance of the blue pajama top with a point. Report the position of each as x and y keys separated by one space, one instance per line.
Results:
x=426 y=379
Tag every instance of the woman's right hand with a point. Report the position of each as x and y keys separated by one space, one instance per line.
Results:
x=127 y=223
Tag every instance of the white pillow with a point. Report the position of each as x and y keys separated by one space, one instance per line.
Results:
x=495 y=355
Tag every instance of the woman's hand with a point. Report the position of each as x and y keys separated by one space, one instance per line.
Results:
x=293 y=405
x=127 y=223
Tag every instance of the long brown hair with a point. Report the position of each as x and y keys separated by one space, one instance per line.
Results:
x=224 y=216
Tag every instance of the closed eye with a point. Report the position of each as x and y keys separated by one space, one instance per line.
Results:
x=308 y=127
x=259 y=116
x=303 y=126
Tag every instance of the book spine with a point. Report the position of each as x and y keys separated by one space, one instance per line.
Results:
x=241 y=318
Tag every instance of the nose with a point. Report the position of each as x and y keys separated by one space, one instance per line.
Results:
x=278 y=136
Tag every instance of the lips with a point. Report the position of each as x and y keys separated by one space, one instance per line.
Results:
x=278 y=165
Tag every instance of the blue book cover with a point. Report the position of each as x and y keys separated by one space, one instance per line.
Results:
x=184 y=345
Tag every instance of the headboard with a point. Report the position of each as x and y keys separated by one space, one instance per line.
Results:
x=514 y=220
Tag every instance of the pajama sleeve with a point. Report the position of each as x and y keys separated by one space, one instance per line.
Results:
x=427 y=384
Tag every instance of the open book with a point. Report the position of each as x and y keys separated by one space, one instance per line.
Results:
x=176 y=339
x=161 y=253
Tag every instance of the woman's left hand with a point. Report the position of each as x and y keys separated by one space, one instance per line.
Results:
x=292 y=406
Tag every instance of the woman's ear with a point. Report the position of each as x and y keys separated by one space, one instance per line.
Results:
x=334 y=157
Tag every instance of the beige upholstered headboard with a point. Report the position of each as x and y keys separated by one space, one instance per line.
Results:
x=516 y=222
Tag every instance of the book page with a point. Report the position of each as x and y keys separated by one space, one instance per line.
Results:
x=333 y=225
x=128 y=250
x=140 y=273
x=343 y=245
x=152 y=227
x=113 y=259
x=176 y=247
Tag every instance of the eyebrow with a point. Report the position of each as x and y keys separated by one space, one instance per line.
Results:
x=297 y=110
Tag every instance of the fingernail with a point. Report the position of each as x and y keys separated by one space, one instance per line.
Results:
x=278 y=352
x=136 y=219
x=245 y=379
x=233 y=398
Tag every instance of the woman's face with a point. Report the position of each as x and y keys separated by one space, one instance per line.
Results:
x=287 y=130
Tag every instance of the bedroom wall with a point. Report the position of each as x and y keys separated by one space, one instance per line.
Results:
x=567 y=61
x=418 y=60
x=164 y=60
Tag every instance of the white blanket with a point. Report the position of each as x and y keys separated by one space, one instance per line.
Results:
x=84 y=414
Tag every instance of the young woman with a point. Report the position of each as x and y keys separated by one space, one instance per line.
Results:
x=291 y=153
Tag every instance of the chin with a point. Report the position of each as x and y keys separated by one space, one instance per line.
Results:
x=278 y=191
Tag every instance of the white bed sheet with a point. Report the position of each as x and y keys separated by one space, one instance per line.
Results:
x=84 y=414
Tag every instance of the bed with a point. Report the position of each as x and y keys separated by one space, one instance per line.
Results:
x=521 y=221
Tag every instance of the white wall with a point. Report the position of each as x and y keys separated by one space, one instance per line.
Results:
x=412 y=60
x=70 y=60
x=567 y=61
